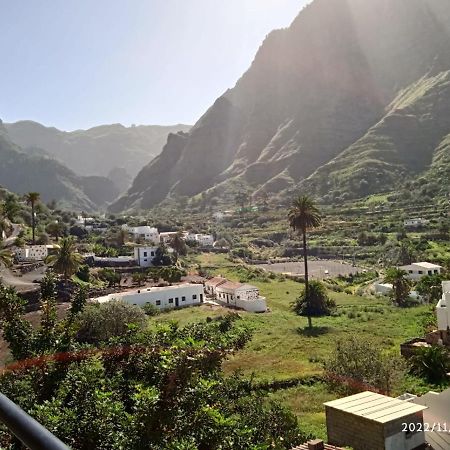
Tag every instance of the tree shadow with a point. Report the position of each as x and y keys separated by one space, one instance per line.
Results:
x=313 y=332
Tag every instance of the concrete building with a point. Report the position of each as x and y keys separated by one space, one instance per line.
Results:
x=443 y=308
x=371 y=421
x=382 y=288
x=418 y=270
x=212 y=283
x=175 y=296
x=34 y=252
x=144 y=256
x=167 y=236
x=415 y=223
x=437 y=413
x=241 y=296
x=145 y=233
x=203 y=240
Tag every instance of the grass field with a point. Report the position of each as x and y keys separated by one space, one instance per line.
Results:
x=282 y=348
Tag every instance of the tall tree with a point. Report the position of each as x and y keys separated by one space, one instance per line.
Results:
x=67 y=260
x=32 y=198
x=179 y=245
x=56 y=229
x=303 y=216
x=400 y=285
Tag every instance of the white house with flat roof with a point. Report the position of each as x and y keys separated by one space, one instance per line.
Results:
x=176 y=296
x=443 y=308
x=371 y=421
x=144 y=256
x=418 y=270
x=204 y=240
x=415 y=223
x=145 y=233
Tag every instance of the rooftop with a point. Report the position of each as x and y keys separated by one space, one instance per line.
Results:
x=376 y=407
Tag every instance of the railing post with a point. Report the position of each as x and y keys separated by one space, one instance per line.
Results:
x=30 y=432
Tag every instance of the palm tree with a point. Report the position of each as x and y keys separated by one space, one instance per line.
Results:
x=303 y=216
x=32 y=198
x=400 y=285
x=67 y=260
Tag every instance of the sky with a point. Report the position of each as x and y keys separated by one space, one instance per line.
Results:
x=79 y=63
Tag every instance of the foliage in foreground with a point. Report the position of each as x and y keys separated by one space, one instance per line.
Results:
x=357 y=364
x=159 y=388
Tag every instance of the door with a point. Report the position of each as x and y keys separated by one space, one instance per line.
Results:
x=177 y=303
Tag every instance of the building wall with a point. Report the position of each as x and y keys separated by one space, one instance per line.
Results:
x=32 y=253
x=144 y=256
x=345 y=429
x=165 y=297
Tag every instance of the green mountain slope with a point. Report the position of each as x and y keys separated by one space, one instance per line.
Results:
x=21 y=173
x=410 y=140
x=322 y=88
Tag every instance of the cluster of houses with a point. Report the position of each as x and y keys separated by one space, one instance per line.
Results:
x=414 y=272
x=221 y=290
x=151 y=234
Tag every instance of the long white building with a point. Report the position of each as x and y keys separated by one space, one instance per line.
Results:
x=175 y=296
x=418 y=270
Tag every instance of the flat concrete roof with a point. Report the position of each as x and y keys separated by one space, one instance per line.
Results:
x=376 y=407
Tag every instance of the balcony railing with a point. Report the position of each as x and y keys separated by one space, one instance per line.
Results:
x=30 y=432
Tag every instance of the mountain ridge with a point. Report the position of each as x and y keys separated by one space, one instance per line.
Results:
x=313 y=91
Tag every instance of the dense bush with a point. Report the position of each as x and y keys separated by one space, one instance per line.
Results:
x=101 y=322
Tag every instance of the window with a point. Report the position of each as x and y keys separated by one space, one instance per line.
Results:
x=238 y=297
x=436 y=271
x=158 y=302
x=420 y=272
x=145 y=254
x=430 y=272
x=410 y=271
x=170 y=300
x=152 y=253
x=183 y=299
x=194 y=297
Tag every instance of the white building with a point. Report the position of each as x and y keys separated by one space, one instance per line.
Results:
x=32 y=253
x=144 y=256
x=382 y=288
x=415 y=223
x=145 y=233
x=162 y=297
x=418 y=270
x=443 y=308
x=167 y=236
x=237 y=295
x=204 y=240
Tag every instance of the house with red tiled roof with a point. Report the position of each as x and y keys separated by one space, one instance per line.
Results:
x=240 y=296
x=212 y=283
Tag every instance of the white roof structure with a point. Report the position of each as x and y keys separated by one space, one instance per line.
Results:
x=376 y=407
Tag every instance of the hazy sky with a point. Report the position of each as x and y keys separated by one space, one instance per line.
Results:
x=79 y=63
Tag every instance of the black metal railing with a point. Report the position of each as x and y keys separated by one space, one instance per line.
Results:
x=30 y=432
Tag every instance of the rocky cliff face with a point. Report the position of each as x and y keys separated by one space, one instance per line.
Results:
x=316 y=92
